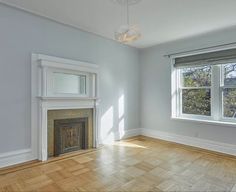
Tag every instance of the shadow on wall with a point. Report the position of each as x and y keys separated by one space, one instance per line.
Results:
x=108 y=133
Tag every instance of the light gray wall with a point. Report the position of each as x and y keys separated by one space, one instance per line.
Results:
x=22 y=34
x=156 y=89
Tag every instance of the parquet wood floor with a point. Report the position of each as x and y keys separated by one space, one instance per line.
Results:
x=138 y=164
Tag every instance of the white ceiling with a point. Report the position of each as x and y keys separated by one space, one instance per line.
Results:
x=159 y=20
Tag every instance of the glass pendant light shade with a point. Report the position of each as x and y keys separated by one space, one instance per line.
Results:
x=127 y=34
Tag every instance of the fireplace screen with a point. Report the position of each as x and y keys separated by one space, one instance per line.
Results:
x=70 y=135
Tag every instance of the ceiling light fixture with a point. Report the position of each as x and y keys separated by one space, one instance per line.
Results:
x=127 y=33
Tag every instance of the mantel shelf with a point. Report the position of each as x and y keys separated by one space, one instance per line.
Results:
x=67 y=98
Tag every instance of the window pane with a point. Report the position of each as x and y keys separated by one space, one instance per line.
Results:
x=229 y=102
x=196 y=76
x=230 y=74
x=196 y=101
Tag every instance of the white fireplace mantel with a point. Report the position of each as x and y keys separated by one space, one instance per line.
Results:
x=43 y=99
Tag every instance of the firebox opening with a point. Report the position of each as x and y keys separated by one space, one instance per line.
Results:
x=70 y=135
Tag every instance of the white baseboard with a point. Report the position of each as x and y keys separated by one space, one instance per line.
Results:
x=15 y=157
x=130 y=133
x=118 y=136
x=21 y=156
x=24 y=155
x=191 y=141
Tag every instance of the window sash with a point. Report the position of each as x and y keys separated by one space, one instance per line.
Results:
x=179 y=97
x=188 y=114
x=222 y=106
x=222 y=87
x=182 y=80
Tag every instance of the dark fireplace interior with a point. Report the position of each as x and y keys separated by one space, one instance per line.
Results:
x=70 y=135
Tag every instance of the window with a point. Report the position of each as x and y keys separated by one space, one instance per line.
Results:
x=204 y=86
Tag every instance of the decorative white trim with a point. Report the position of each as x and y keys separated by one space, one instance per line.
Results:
x=192 y=141
x=62 y=61
x=126 y=134
x=15 y=157
x=76 y=65
x=68 y=98
x=46 y=66
x=61 y=104
x=42 y=101
x=209 y=122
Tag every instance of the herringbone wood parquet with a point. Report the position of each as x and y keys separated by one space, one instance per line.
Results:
x=139 y=164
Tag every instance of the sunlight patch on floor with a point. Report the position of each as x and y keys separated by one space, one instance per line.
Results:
x=128 y=144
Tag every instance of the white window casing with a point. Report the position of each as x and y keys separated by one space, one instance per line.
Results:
x=217 y=87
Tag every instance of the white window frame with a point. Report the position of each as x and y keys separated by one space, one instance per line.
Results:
x=217 y=86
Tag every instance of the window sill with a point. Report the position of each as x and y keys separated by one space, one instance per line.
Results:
x=210 y=122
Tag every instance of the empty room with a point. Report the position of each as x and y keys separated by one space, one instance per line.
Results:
x=117 y=95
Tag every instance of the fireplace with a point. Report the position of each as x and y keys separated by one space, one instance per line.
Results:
x=65 y=106
x=70 y=135
x=69 y=130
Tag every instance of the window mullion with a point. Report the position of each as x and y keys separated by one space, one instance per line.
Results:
x=215 y=93
x=179 y=101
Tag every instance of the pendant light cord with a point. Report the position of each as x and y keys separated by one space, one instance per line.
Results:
x=127 y=9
